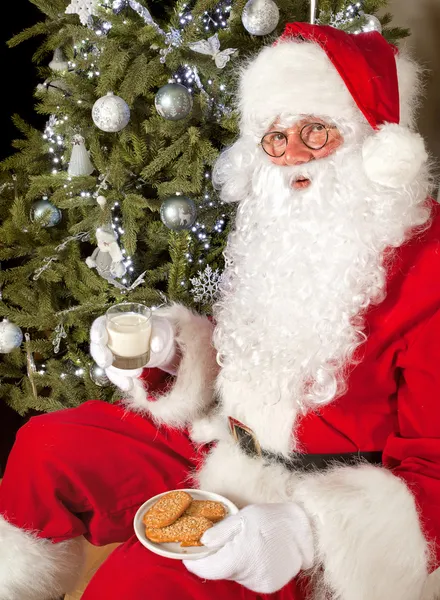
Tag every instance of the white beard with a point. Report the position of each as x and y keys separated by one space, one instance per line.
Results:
x=302 y=267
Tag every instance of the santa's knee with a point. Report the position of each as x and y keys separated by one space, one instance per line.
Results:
x=41 y=553
x=34 y=568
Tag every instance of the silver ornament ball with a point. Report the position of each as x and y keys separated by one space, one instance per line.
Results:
x=98 y=376
x=46 y=211
x=372 y=23
x=173 y=102
x=11 y=337
x=260 y=17
x=110 y=113
x=178 y=212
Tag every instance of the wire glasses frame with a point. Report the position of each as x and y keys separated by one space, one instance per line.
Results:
x=313 y=135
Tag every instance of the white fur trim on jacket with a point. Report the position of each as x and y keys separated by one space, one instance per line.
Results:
x=193 y=390
x=393 y=156
x=368 y=538
x=32 y=568
x=368 y=535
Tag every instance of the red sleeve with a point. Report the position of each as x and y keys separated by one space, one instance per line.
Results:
x=414 y=451
x=156 y=381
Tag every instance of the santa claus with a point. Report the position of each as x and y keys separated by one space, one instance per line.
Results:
x=312 y=403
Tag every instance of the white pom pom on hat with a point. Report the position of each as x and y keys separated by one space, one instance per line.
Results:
x=323 y=71
x=394 y=155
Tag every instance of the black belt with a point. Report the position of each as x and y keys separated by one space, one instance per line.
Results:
x=320 y=462
x=248 y=443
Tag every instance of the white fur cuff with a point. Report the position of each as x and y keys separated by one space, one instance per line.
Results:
x=36 y=569
x=368 y=534
x=193 y=390
x=393 y=156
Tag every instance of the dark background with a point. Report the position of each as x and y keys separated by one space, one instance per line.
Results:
x=19 y=75
x=19 y=79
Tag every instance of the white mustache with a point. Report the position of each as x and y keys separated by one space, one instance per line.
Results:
x=311 y=170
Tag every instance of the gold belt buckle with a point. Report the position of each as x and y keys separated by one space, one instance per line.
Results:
x=244 y=437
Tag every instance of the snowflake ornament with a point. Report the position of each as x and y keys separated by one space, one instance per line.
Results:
x=206 y=286
x=84 y=9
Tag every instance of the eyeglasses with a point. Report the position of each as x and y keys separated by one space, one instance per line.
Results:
x=313 y=135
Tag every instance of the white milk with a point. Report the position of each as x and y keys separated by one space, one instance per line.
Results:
x=129 y=337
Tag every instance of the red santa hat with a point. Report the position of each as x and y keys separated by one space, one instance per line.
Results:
x=323 y=71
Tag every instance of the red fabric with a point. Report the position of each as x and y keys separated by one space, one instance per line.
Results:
x=156 y=382
x=393 y=399
x=133 y=573
x=85 y=471
x=96 y=492
x=365 y=63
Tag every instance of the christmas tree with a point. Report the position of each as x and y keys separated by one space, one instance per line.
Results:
x=113 y=201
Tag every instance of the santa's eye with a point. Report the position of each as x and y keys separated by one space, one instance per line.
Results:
x=277 y=138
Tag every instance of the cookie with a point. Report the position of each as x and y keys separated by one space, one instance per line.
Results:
x=185 y=529
x=167 y=509
x=214 y=511
x=189 y=544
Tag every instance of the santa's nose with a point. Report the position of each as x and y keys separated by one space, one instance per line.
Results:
x=296 y=152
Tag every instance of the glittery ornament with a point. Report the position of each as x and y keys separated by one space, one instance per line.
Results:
x=178 y=212
x=11 y=337
x=80 y=163
x=45 y=211
x=173 y=102
x=98 y=376
x=59 y=62
x=372 y=23
x=110 y=113
x=260 y=17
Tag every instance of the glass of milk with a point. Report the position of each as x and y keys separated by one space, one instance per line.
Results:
x=129 y=334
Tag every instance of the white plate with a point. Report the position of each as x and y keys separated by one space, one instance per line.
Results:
x=174 y=550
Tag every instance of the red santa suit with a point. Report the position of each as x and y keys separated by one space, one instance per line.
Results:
x=85 y=471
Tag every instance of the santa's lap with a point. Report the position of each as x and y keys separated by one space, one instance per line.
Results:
x=85 y=471
x=135 y=573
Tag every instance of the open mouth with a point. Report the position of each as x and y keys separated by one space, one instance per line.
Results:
x=300 y=183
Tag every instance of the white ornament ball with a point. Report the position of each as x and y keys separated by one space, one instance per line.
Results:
x=372 y=23
x=110 y=113
x=260 y=17
x=10 y=337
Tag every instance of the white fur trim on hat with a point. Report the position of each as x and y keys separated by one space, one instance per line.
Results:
x=393 y=156
x=292 y=78
x=32 y=568
x=298 y=78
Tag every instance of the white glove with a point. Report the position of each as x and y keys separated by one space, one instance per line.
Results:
x=262 y=547
x=163 y=351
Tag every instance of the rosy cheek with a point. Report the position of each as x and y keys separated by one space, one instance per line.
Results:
x=328 y=149
x=276 y=161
